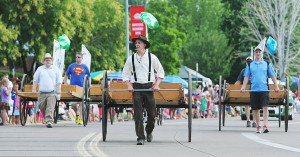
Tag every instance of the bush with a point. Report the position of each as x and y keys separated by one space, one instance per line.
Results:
x=3 y=72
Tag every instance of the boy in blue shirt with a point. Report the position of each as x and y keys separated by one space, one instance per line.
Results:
x=258 y=73
x=77 y=71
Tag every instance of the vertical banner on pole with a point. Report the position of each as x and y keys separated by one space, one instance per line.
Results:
x=58 y=56
x=137 y=26
x=86 y=57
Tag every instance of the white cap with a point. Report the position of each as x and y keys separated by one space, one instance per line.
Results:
x=249 y=58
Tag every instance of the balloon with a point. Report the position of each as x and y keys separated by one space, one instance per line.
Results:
x=149 y=19
x=64 y=42
x=272 y=45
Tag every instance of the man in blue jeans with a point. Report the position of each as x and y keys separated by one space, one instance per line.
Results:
x=258 y=72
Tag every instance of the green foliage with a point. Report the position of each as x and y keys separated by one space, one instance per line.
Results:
x=8 y=48
x=207 y=44
x=166 y=40
x=99 y=25
x=107 y=42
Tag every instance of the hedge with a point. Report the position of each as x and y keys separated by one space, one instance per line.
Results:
x=3 y=72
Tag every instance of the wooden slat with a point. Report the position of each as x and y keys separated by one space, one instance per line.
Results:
x=119 y=95
x=76 y=91
x=96 y=91
x=245 y=97
x=169 y=95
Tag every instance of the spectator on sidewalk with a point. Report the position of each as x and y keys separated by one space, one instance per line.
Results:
x=5 y=93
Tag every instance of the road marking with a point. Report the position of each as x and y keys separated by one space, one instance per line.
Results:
x=257 y=139
x=94 y=146
x=80 y=146
x=290 y=123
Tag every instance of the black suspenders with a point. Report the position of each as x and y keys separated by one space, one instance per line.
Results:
x=149 y=56
x=134 y=72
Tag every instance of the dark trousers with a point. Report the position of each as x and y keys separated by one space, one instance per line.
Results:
x=141 y=100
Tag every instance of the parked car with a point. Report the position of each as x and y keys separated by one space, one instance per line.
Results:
x=274 y=110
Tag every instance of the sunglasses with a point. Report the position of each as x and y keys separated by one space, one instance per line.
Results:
x=78 y=56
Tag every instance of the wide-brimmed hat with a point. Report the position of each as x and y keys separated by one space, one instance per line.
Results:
x=144 y=39
x=47 y=56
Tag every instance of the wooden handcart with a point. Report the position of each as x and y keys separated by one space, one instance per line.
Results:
x=232 y=96
x=171 y=95
x=69 y=93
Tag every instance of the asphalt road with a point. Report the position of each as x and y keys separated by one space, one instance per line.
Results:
x=170 y=140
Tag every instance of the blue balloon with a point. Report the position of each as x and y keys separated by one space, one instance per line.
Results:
x=272 y=45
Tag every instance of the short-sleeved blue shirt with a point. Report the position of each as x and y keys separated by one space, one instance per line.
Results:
x=77 y=73
x=259 y=75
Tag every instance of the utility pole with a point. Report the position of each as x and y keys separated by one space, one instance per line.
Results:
x=127 y=28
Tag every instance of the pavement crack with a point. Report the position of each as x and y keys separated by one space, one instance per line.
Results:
x=192 y=147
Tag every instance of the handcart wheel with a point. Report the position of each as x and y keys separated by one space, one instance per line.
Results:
x=56 y=112
x=22 y=102
x=104 y=106
x=190 y=108
x=111 y=115
x=220 y=92
x=279 y=118
x=159 y=116
x=224 y=105
x=85 y=100
x=286 y=115
x=23 y=107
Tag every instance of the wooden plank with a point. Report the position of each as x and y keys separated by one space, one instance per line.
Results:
x=96 y=91
x=169 y=95
x=119 y=95
x=66 y=88
x=275 y=97
x=76 y=91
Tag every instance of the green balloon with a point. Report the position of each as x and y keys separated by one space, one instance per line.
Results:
x=64 y=42
x=149 y=19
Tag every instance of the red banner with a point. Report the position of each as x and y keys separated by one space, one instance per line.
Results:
x=137 y=26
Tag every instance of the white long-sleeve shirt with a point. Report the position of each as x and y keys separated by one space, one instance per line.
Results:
x=142 y=68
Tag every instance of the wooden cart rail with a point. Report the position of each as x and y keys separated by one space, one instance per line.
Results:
x=239 y=98
x=74 y=92
x=116 y=98
x=232 y=97
x=161 y=97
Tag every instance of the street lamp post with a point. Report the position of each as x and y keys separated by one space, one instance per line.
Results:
x=197 y=72
x=127 y=28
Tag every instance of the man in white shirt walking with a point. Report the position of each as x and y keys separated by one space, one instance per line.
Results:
x=48 y=77
x=142 y=64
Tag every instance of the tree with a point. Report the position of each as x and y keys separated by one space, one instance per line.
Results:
x=8 y=47
x=108 y=40
x=207 y=44
x=166 y=40
x=279 y=19
x=39 y=22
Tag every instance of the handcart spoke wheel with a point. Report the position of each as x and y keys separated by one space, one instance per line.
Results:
x=23 y=106
x=56 y=112
x=104 y=106
x=286 y=114
x=85 y=100
x=111 y=115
